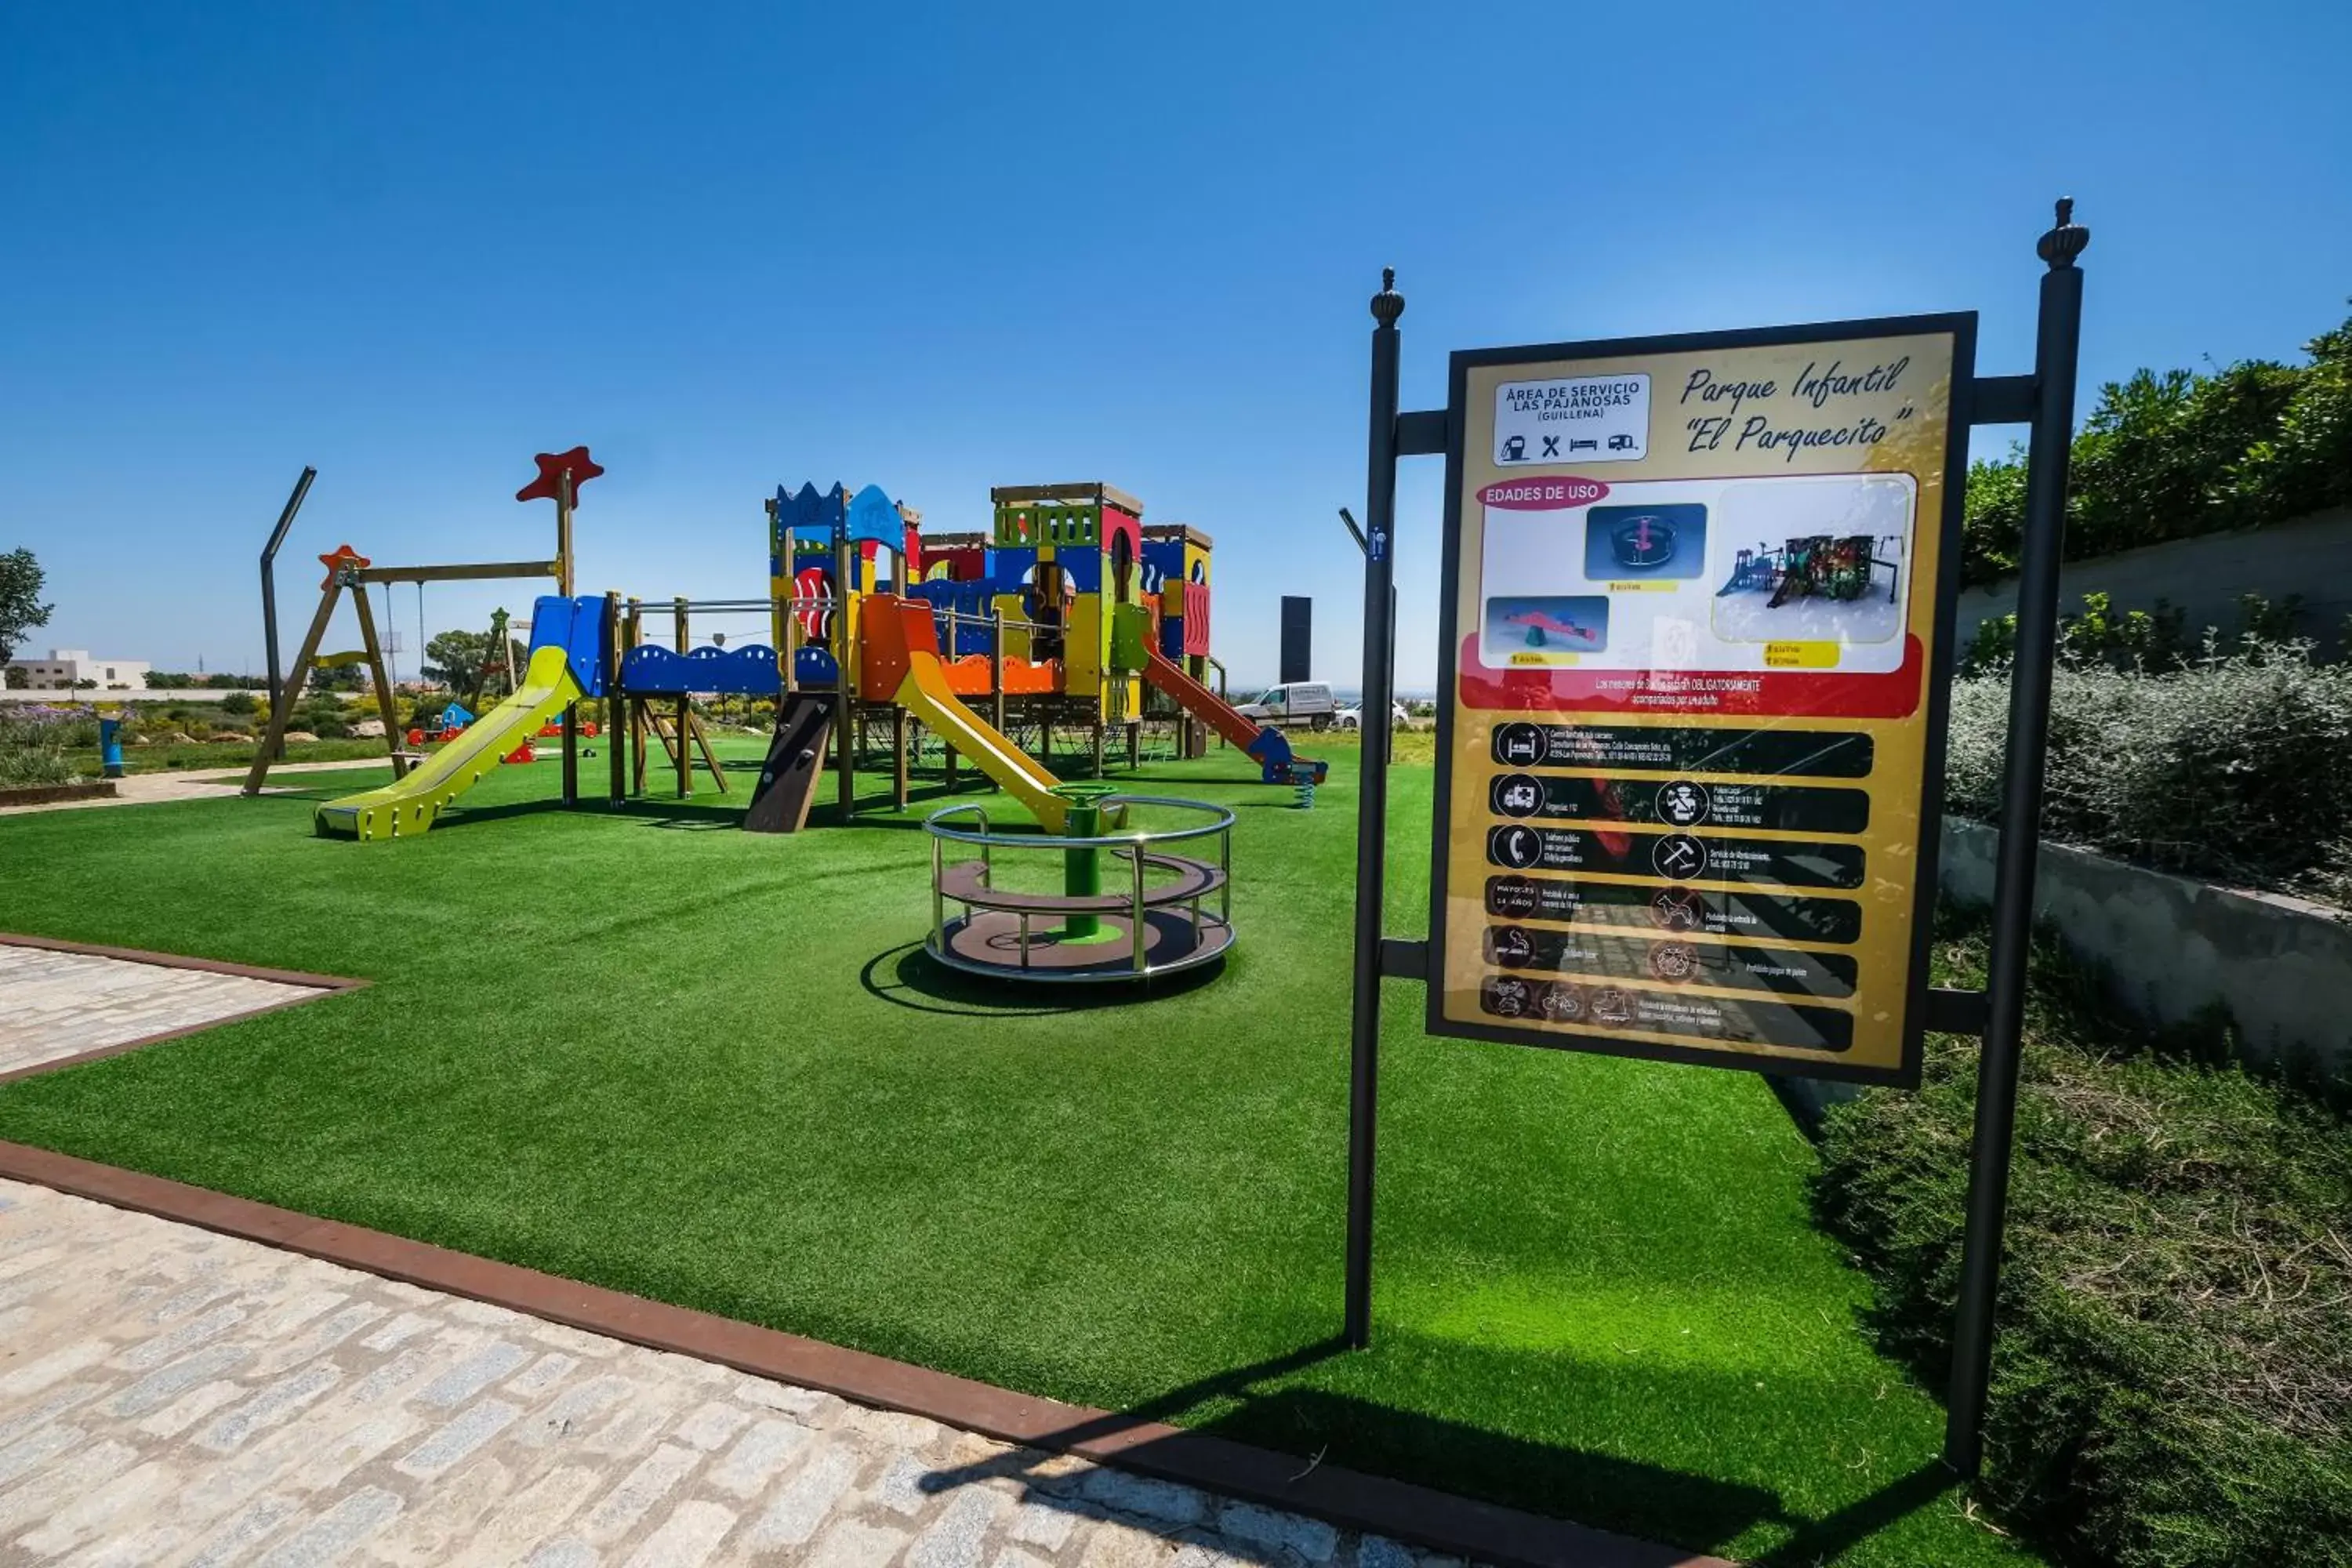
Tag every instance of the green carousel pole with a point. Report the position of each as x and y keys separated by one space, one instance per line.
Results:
x=1082 y=868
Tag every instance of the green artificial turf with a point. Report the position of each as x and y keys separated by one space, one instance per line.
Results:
x=647 y=1049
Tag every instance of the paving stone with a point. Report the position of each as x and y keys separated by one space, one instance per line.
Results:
x=711 y=1426
x=543 y=1375
x=957 y=1538
x=1308 y=1538
x=475 y=1374
x=1045 y=1524
x=335 y=1531
x=272 y=1404
x=256 y=1522
x=59 y=1364
x=805 y=1500
x=850 y=1544
x=84 y=1518
x=165 y=1384
x=652 y=1481
x=533 y=1514
x=458 y=1438
x=192 y=1407
x=76 y=1474
x=686 y=1539
x=1163 y=1502
x=762 y=1452
x=30 y=1453
x=902 y=1490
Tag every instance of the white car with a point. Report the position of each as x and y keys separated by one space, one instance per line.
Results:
x=1306 y=702
x=1353 y=717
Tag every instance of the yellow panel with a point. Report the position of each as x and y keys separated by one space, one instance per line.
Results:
x=1084 y=651
x=1016 y=638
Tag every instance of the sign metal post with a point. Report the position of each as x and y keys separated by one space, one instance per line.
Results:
x=2056 y=342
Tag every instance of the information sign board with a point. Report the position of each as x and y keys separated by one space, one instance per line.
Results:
x=1697 y=633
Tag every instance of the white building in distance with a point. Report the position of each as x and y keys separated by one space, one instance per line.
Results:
x=67 y=668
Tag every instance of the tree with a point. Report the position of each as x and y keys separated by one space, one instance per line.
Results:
x=16 y=680
x=21 y=609
x=454 y=659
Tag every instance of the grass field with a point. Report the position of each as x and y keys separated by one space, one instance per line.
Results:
x=645 y=1050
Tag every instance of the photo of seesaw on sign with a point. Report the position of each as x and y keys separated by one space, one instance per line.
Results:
x=1542 y=628
x=1813 y=560
x=1631 y=543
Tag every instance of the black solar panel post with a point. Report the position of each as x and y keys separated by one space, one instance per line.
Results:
x=1297 y=639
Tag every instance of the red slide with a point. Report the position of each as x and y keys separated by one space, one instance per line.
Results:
x=1198 y=700
x=1265 y=746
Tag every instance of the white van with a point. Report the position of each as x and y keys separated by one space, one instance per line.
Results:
x=1306 y=702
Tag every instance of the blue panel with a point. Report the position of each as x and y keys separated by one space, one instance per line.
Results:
x=1083 y=567
x=1164 y=557
x=654 y=671
x=586 y=649
x=873 y=515
x=973 y=602
x=809 y=515
x=1009 y=568
x=1172 y=635
x=815 y=667
x=551 y=622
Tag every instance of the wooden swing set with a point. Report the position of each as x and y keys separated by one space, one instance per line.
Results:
x=350 y=572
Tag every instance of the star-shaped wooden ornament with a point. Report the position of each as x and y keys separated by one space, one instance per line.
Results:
x=553 y=466
x=338 y=560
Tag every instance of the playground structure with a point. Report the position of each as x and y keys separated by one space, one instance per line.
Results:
x=1070 y=614
x=1821 y=565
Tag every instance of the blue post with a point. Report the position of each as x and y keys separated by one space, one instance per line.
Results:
x=109 y=747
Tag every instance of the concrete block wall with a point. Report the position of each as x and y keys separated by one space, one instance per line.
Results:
x=2206 y=577
x=2176 y=950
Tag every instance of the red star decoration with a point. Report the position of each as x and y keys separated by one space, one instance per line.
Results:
x=552 y=466
x=337 y=559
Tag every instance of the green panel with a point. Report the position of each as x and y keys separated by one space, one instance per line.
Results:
x=1131 y=634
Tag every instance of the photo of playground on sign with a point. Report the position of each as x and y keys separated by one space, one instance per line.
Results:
x=1691 y=598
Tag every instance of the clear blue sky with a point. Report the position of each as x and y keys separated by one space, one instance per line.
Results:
x=942 y=247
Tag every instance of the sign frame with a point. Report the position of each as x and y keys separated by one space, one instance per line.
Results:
x=1940 y=658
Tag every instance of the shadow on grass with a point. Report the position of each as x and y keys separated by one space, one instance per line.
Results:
x=1309 y=1423
x=906 y=976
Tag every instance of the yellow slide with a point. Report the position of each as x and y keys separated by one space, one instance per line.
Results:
x=925 y=694
x=411 y=805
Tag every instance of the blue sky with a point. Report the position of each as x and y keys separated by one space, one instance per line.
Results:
x=945 y=247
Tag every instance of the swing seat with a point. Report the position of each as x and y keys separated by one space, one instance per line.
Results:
x=338 y=660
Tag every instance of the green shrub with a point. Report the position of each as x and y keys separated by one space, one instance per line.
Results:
x=240 y=703
x=2166 y=455
x=2172 y=1384
x=2237 y=765
x=35 y=743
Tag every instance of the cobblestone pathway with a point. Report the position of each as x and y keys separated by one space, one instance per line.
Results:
x=172 y=1396
x=56 y=1004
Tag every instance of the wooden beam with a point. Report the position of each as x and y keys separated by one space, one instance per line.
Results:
x=710 y=758
x=293 y=687
x=898 y=758
x=470 y=571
